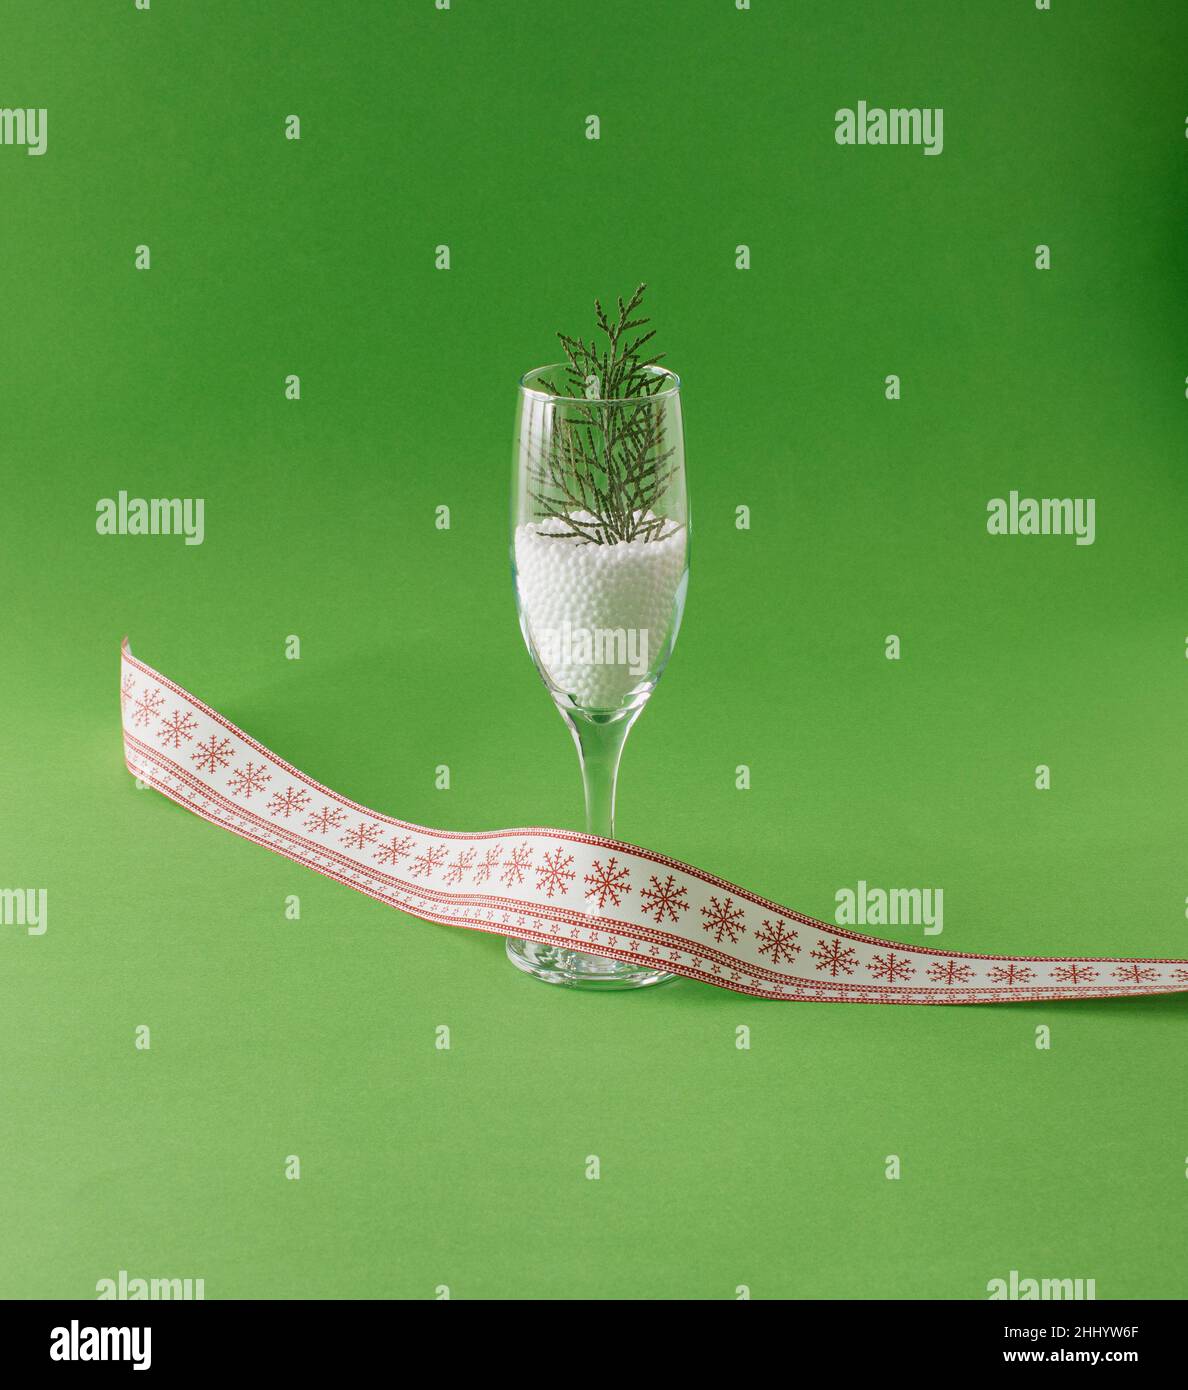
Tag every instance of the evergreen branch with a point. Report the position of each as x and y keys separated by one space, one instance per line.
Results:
x=604 y=467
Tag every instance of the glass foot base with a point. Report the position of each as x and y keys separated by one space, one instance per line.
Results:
x=557 y=966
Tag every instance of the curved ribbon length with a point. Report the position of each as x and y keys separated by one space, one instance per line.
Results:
x=578 y=891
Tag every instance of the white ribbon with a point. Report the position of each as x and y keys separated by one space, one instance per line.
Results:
x=602 y=897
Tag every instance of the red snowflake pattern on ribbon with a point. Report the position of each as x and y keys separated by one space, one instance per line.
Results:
x=831 y=955
x=490 y=862
x=1012 y=974
x=463 y=862
x=146 y=707
x=249 y=779
x=663 y=899
x=1073 y=974
x=177 y=729
x=554 y=875
x=777 y=940
x=608 y=885
x=323 y=821
x=549 y=872
x=212 y=754
x=516 y=865
x=1136 y=974
x=430 y=858
x=891 y=967
x=950 y=972
x=362 y=836
x=397 y=848
x=292 y=801
x=723 y=920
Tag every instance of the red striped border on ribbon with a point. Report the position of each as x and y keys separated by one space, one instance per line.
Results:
x=603 y=897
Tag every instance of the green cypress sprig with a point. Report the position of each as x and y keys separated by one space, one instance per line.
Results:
x=605 y=454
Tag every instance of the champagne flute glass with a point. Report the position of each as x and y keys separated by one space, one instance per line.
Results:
x=600 y=558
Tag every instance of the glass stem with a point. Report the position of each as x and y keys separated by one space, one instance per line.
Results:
x=600 y=739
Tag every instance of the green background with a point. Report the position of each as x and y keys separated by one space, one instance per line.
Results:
x=720 y=1167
